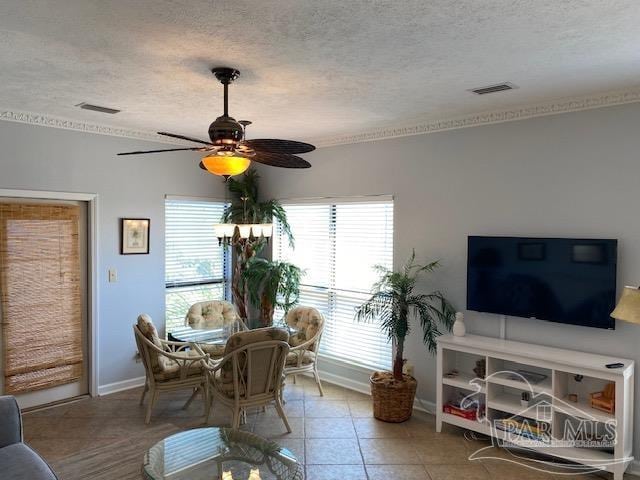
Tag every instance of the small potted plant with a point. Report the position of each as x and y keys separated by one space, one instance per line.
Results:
x=394 y=303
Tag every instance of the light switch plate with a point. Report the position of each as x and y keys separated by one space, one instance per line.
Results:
x=113 y=275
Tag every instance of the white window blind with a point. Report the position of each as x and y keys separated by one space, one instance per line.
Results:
x=196 y=267
x=338 y=244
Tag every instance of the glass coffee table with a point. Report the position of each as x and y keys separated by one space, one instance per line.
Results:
x=219 y=454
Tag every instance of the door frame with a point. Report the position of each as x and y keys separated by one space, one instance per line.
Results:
x=92 y=275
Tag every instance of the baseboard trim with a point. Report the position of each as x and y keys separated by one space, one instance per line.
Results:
x=362 y=387
x=120 y=386
x=344 y=382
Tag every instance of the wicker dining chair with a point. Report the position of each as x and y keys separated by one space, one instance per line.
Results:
x=169 y=365
x=303 y=354
x=213 y=314
x=251 y=372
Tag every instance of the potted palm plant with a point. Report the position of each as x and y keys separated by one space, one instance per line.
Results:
x=271 y=285
x=394 y=303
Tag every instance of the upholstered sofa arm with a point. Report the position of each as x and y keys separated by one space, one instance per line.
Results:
x=10 y=422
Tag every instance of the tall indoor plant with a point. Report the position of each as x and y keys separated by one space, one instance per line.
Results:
x=394 y=303
x=246 y=207
x=271 y=285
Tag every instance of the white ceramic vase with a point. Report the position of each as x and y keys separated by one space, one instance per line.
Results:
x=459 y=329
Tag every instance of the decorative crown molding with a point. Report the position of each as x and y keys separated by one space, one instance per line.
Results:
x=87 y=127
x=564 y=105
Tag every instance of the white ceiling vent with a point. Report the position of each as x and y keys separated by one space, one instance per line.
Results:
x=499 y=87
x=97 y=108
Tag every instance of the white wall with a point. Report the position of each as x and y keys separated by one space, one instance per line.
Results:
x=574 y=175
x=40 y=158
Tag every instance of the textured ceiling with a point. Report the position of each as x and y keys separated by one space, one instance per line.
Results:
x=310 y=69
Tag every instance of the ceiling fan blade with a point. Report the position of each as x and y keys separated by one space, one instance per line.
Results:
x=272 y=145
x=165 y=150
x=283 y=160
x=182 y=137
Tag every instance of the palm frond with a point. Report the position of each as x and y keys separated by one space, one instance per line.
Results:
x=374 y=307
x=409 y=264
x=429 y=325
x=272 y=210
x=429 y=267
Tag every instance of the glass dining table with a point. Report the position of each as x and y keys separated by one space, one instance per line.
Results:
x=208 y=337
x=212 y=340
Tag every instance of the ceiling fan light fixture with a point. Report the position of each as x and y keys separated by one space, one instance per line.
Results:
x=225 y=165
x=229 y=151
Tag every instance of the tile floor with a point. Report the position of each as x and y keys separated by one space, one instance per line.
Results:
x=335 y=436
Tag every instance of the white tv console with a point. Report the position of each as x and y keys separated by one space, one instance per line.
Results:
x=500 y=394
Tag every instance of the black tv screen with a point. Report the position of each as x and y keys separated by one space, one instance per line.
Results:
x=562 y=280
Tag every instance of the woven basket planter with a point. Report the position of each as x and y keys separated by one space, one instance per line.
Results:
x=392 y=401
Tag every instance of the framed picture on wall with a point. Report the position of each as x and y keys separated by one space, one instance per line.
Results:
x=134 y=236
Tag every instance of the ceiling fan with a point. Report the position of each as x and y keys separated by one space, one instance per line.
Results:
x=229 y=152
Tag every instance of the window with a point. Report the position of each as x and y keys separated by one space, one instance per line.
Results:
x=196 y=267
x=337 y=244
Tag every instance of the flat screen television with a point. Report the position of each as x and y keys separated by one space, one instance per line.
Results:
x=566 y=280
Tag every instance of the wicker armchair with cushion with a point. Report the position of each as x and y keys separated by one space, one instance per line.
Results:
x=213 y=314
x=251 y=372
x=308 y=324
x=168 y=365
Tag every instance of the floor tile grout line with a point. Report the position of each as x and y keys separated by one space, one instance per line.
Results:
x=364 y=465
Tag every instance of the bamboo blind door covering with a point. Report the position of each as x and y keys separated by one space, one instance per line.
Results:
x=40 y=295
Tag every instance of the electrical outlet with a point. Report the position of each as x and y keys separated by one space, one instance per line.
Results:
x=113 y=275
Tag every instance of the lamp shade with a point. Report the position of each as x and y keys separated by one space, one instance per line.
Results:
x=255 y=230
x=628 y=308
x=267 y=230
x=218 y=230
x=245 y=230
x=222 y=230
x=224 y=165
x=229 y=229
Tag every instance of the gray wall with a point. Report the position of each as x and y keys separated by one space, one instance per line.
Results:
x=40 y=158
x=571 y=175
